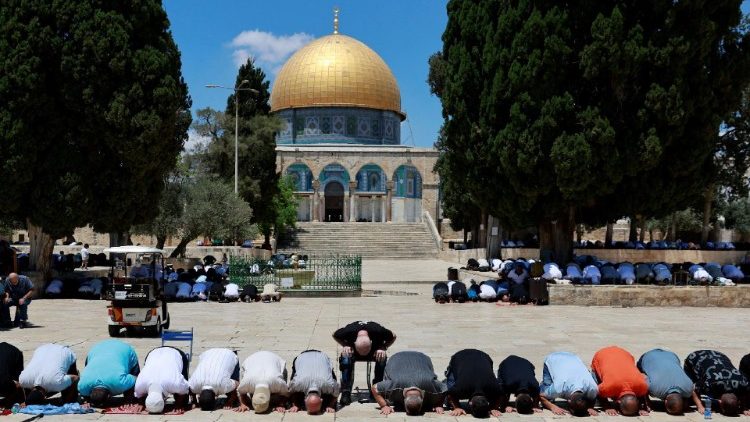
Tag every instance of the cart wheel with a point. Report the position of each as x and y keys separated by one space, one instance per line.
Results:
x=130 y=331
x=155 y=330
x=165 y=326
x=114 y=330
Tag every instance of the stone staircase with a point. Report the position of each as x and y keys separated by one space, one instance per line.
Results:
x=370 y=240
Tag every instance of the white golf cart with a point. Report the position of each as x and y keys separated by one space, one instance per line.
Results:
x=134 y=289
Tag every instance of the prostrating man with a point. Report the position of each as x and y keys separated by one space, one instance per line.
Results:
x=667 y=380
x=11 y=366
x=52 y=370
x=470 y=375
x=620 y=380
x=714 y=375
x=18 y=291
x=218 y=373
x=409 y=384
x=566 y=377
x=313 y=384
x=745 y=366
x=263 y=383
x=165 y=372
x=516 y=375
x=364 y=341
x=111 y=369
x=441 y=292
x=519 y=284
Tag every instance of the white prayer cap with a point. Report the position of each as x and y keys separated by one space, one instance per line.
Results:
x=261 y=398
x=155 y=400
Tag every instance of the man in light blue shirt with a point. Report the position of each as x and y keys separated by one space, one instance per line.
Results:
x=567 y=377
x=111 y=370
x=667 y=380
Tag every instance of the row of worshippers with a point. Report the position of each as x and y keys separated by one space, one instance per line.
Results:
x=409 y=383
x=514 y=290
x=661 y=245
x=587 y=269
x=82 y=288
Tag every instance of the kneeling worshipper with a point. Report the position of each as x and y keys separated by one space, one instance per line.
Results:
x=552 y=272
x=217 y=374
x=592 y=275
x=626 y=271
x=733 y=273
x=667 y=380
x=644 y=273
x=662 y=273
x=313 y=385
x=566 y=377
x=716 y=376
x=620 y=380
x=409 y=384
x=440 y=292
x=699 y=274
x=263 y=383
x=111 y=370
x=165 y=372
x=270 y=293
x=516 y=375
x=488 y=290
x=11 y=366
x=457 y=291
x=471 y=376
x=52 y=370
x=518 y=285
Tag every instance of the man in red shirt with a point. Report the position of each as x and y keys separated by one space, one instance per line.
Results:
x=620 y=380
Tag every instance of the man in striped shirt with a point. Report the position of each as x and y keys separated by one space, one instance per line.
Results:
x=218 y=373
x=313 y=384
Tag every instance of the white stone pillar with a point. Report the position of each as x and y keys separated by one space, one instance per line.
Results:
x=382 y=209
x=310 y=201
x=372 y=210
x=352 y=204
x=314 y=200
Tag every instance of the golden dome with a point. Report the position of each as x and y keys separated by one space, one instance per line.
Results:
x=336 y=71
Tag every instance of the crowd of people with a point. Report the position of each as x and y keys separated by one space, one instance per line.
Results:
x=405 y=381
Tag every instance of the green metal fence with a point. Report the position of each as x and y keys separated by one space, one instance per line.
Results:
x=330 y=273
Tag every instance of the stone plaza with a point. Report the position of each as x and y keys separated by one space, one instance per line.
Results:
x=406 y=307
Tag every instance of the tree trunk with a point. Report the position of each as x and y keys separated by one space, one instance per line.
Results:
x=609 y=234
x=708 y=197
x=119 y=239
x=557 y=238
x=672 y=233
x=633 y=234
x=642 y=236
x=160 y=241
x=267 y=240
x=482 y=235
x=179 y=251
x=579 y=233
x=41 y=246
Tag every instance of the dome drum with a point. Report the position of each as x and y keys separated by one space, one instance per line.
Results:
x=338 y=125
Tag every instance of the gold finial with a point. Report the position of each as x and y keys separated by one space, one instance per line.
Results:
x=335 y=20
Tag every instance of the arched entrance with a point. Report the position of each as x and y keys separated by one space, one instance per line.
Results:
x=334 y=201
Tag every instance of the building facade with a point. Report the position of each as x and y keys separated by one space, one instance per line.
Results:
x=340 y=142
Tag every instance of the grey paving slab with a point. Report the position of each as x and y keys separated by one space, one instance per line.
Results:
x=296 y=324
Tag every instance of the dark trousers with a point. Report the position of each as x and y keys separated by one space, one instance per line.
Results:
x=21 y=311
x=346 y=365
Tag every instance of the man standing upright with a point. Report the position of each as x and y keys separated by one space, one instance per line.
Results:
x=364 y=341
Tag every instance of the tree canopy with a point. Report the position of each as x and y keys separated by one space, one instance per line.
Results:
x=586 y=111
x=94 y=112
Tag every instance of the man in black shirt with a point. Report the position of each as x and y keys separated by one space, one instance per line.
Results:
x=715 y=375
x=11 y=366
x=517 y=377
x=470 y=375
x=363 y=341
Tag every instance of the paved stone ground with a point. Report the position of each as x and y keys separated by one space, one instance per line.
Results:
x=296 y=324
x=417 y=270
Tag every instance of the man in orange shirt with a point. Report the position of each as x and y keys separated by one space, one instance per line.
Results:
x=620 y=380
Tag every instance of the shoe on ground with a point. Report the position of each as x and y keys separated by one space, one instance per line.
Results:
x=346 y=399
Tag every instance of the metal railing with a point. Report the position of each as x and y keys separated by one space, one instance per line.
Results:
x=329 y=273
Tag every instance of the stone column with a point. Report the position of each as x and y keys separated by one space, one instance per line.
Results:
x=352 y=202
x=310 y=200
x=346 y=206
x=315 y=208
x=382 y=209
x=389 y=195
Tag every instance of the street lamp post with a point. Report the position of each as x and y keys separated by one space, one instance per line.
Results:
x=236 y=90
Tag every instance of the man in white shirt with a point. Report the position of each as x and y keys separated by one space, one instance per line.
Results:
x=85 y=257
x=232 y=292
x=52 y=370
x=164 y=373
x=313 y=384
x=218 y=373
x=264 y=378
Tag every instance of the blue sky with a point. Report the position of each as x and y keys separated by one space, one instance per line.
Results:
x=403 y=32
x=214 y=36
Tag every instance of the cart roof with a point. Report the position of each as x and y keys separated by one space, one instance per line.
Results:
x=133 y=249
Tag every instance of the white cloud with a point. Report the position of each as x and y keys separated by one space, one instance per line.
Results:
x=268 y=50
